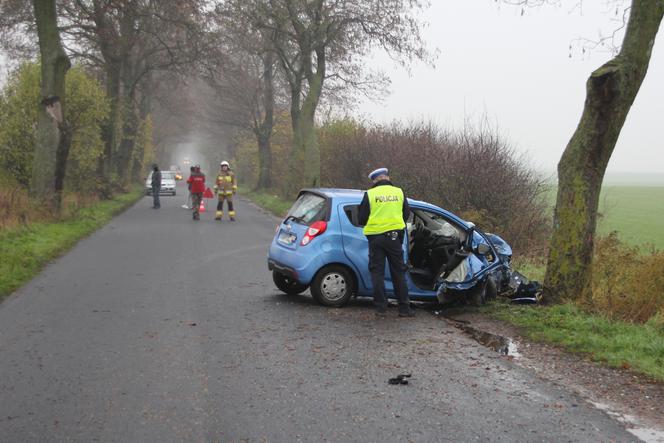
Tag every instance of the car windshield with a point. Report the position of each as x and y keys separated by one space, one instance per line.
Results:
x=308 y=208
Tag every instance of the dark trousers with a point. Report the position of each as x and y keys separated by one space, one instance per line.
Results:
x=227 y=198
x=196 y=199
x=388 y=246
x=155 y=196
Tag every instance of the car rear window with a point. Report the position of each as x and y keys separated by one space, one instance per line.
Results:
x=164 y=175
x=308 y=208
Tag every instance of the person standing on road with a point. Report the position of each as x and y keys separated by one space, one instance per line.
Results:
x=156 y=186
x=187 y=200
x=225 y=186
x=383 y=213
x=197 y=187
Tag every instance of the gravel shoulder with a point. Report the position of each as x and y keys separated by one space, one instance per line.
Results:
x=632 y=398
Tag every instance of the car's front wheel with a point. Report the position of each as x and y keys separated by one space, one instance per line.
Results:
x=477 y=295
x=491 y=289
x=287 y=284
x=333 y=286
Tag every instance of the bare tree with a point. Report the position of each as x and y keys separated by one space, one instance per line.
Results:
x=129 y=40
x=244 y=76
x=323 y=42
x=53 y=136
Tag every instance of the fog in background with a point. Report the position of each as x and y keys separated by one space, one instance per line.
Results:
x=516 y=71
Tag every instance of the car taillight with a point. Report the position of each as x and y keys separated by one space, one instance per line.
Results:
x=316 y=229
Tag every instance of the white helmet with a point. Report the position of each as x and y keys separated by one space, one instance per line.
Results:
x=225 y=163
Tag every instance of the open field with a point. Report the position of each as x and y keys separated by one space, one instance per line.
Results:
x=635 y=212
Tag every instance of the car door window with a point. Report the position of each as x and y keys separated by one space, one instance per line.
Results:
x=352 y=212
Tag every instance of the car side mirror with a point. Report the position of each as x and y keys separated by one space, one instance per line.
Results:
x=483 y=249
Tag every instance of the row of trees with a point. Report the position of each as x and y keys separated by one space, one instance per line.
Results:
x=299 y=54
x=127 y=44
x=257 y=56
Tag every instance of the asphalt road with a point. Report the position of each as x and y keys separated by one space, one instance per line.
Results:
x=161 y=329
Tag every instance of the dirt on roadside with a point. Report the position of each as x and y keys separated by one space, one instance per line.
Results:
x=634 y=399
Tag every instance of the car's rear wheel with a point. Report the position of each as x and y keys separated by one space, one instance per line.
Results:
x=287 y=284
x=333 y=286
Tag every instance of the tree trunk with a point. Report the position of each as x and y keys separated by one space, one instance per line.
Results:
x=130 y=67
x=265 y=131
x=610 y=92
x=53 y=138
x=264 y=161
x=144 y=109
x=129 y=133
x=305 y=142
x=113 y=127
x=294 y=181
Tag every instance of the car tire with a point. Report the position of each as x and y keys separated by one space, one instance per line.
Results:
x=490 y=290
x=287 y=284
x=333 y=286
x=173 y=192
x=477 y=295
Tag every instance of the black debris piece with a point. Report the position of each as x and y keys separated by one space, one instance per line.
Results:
x=400 y=379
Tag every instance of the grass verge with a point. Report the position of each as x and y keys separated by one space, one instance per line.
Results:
x=615 y=343
x=268 y=200
x=26 y=250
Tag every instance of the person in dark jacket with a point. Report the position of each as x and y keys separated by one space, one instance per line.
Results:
x=383 y=213
x=156 y=186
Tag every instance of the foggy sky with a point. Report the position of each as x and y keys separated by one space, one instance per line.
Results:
x=516 y=70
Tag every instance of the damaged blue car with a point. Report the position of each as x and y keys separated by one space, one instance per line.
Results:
x=320 y=246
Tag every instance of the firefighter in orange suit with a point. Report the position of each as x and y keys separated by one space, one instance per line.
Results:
x=225 y=186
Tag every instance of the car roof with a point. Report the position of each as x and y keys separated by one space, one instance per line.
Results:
x=169 y=173
x=337 y=193
x=355 y=196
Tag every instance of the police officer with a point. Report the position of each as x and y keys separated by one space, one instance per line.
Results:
x=383 y=212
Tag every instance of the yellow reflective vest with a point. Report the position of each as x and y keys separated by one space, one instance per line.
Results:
x=386 y=203
x=225 y=184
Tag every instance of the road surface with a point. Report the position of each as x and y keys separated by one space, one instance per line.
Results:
x=161 y=329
